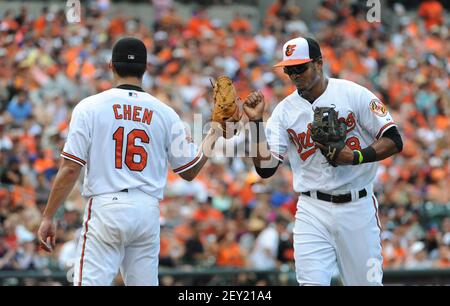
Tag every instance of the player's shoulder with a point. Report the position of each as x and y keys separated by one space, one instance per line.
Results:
x=87 y=104
x=284 y=107
x=159 y=106
x=93 y=99
x=347 y=86
x=284 y=104
x=107 y=95
x=342 y=84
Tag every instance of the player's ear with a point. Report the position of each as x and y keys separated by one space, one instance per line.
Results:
x=319 y=62
x=318 y=65
x=111 y=66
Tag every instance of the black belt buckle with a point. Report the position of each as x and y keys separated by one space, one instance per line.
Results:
x=333 y=198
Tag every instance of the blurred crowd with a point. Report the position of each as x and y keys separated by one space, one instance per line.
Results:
x=228 y=217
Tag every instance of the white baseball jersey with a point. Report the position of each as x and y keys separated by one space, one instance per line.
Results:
x=289 y=131
x=126 y=138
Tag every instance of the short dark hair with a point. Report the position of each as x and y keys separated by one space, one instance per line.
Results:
x=136 y=70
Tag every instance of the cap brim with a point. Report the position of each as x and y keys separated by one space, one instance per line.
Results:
x=293 y=62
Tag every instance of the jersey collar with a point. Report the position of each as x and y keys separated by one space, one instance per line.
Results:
x=130 y=87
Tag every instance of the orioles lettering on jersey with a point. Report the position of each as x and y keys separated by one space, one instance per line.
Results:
x=134 y=113
x=303 y=142
x=305 y=145
x=350 y=121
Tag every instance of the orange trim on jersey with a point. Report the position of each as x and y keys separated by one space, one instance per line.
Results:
x=193 y=162
x=73 y=158
x=84 y=242
x=383 y=129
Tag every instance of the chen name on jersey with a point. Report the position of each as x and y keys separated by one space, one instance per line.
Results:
x=134 y=113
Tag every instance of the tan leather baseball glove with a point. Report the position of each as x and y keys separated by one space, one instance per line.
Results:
x=225 y=109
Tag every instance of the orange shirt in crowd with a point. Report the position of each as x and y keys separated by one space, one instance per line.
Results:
x=116 y=27
x=25 y=196
x=196 y=26
x=164 y=247
x=86 y=69
x=274 y=9
x=39 y=24
x=28 y=142
x=229 y=255
x=444 y=263
x=43 y=164
x=442 y=122
x=246 y=44
x=11 y=242
x=183 y=232
x=397 y=258
x=9 y=24
x=246 y=194
x=431 y=12
x=435 y=45
x=240 y=24
x=206 y=214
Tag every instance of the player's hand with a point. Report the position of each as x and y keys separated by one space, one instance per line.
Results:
x=345 y=157
x=254 y=106
x=47 y=234
x=216 y=129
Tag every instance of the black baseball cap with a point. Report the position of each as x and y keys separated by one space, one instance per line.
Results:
x=129 y=50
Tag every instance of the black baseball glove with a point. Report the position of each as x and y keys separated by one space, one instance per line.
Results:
x=328 y=131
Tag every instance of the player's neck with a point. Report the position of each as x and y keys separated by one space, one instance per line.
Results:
x=128 y=81
x=316 y=91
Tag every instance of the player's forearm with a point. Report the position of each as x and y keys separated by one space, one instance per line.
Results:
x=207 y=148
x=384 y=148
x=389 y=144
x=190 y=174
x=259 y=146
x=63 y=185
x=379 y=150
x=263 y=158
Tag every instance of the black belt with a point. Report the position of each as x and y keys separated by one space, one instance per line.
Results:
x=341 y=198
x=124 y=190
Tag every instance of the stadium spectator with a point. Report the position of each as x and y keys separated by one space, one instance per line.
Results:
x=432 y=13
x=6 y=253
x=20 y=107
x=265 y=251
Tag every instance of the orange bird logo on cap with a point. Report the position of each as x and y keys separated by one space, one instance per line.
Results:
x=290 y=49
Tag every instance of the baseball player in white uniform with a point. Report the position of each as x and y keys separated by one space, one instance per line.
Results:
x=126 y=138
x=336 y=224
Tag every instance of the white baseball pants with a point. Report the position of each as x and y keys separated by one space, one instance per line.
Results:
x=120 y=232
x=344 y=236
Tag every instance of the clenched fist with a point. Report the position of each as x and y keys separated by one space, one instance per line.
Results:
x=254 y=106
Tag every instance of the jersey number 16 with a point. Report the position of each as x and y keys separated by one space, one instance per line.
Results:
x=131 y=149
